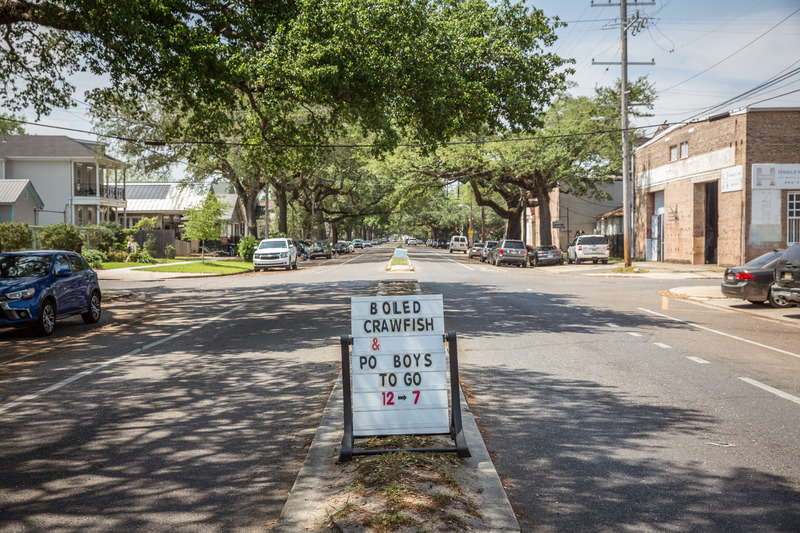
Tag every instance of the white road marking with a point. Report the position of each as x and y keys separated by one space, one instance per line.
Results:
x=722 y=333
x=698 y=360
x=609 y=324
x=56 y=386
x=773 y=390
x=662 y=345
x=634 y=333
x=587 y=314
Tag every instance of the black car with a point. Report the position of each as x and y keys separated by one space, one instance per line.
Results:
x=786 y=289
x=753 y=280
x=546 y=255
x=341 y=248
x=441 y=243
x=319 y=249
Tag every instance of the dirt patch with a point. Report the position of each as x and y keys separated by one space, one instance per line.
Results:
x=401 y=491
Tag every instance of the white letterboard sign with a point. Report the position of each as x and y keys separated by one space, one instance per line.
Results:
x=399 y=366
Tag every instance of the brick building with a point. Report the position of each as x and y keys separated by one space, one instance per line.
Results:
x=722 y=190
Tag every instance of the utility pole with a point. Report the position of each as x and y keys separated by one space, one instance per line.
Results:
x=624 y=24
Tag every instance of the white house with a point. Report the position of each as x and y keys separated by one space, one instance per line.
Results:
x=76 y=181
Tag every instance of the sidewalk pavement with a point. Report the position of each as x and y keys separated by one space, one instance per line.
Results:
x=137 y=274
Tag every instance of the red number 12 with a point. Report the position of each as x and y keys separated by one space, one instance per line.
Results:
x=388 y=398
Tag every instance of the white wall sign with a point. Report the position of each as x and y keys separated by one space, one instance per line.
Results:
x=399 y=366
x=776 y=176
x=732 y=179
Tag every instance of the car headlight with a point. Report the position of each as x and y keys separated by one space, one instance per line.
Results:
x=284 y=254
x=24 y=294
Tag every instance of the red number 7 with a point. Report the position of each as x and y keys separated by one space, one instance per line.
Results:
x=416 y=396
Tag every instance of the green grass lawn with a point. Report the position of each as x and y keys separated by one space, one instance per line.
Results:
x=123 y=264
x=209 y=267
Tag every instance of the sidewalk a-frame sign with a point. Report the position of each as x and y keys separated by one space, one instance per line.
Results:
x=396 y=378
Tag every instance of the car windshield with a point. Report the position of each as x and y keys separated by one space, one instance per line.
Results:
x=320 y=244
x=513 y=244
x=547 y=248
x=765 y=260
x=24 y=266
x=491 y=244
x=272 y=244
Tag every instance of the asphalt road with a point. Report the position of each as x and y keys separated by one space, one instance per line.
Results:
x=607 y=407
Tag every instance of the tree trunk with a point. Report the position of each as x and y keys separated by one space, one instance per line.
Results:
x=282 y=205
x=543 y=196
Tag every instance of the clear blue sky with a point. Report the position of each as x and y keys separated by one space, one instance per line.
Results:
x=706 y=52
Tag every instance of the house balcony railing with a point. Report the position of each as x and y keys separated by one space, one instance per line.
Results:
x=114 y=192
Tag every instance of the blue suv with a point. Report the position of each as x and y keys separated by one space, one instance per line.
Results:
x=36 y=287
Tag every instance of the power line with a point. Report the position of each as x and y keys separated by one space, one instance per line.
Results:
x=733 y=54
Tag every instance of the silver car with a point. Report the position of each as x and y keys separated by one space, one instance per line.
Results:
x=279 y=252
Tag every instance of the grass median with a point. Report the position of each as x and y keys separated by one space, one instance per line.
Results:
x=209 y=267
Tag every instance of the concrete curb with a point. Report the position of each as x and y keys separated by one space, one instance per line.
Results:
x=307 y=493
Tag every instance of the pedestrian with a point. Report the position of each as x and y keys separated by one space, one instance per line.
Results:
x=130 y=248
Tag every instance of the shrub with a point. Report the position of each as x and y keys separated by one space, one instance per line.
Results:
x=151 y=246
x=106 y=235
x=170 y=251
x=94 y=257
x=247 y=247
x=143 y=257
x=15 y=236
x=117 y=256
x=60 y=237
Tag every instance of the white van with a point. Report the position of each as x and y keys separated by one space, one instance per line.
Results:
x=458 y=243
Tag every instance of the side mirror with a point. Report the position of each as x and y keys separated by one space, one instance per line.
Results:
x=63 y=273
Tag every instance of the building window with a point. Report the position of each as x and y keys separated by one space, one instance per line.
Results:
x=793 y=218
x=673 y=152
x=684 y=150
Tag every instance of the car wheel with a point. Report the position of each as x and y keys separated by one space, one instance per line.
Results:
x=577 y=261
x=605 y=261
x=524 y=264
x=294 y=265
x=777 y=303
x=92 y=315
x=569 y=261
x=594 y=261
x=46 y=322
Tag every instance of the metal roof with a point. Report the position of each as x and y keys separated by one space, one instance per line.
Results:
x=50 y=146
x=11 y=190
x=162 y=197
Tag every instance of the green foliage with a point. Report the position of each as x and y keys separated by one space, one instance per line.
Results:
x=170 y=251
x=15 y=236
x=61 y=236
x=10 y=127
x=151 y=246
x=117 y=256
x=275 y=234
x=204 y=221
x=106 y=235
x=146 y=224
x=94 y=257
x=247 y=247
x=143 y=257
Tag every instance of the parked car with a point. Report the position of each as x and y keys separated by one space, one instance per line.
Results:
x=511 y=252
x=487 y=249
x=753 y=280
x=276 y=252
x=475 y=250
x=37 y=287
x=319 y=249
x=458 y=243
x=586 y=247
x=546 y=255
x=367 y=243
x=341 y=248
x=441 y=243
x=358 y=243
x=787 y=277
x=205 y=250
